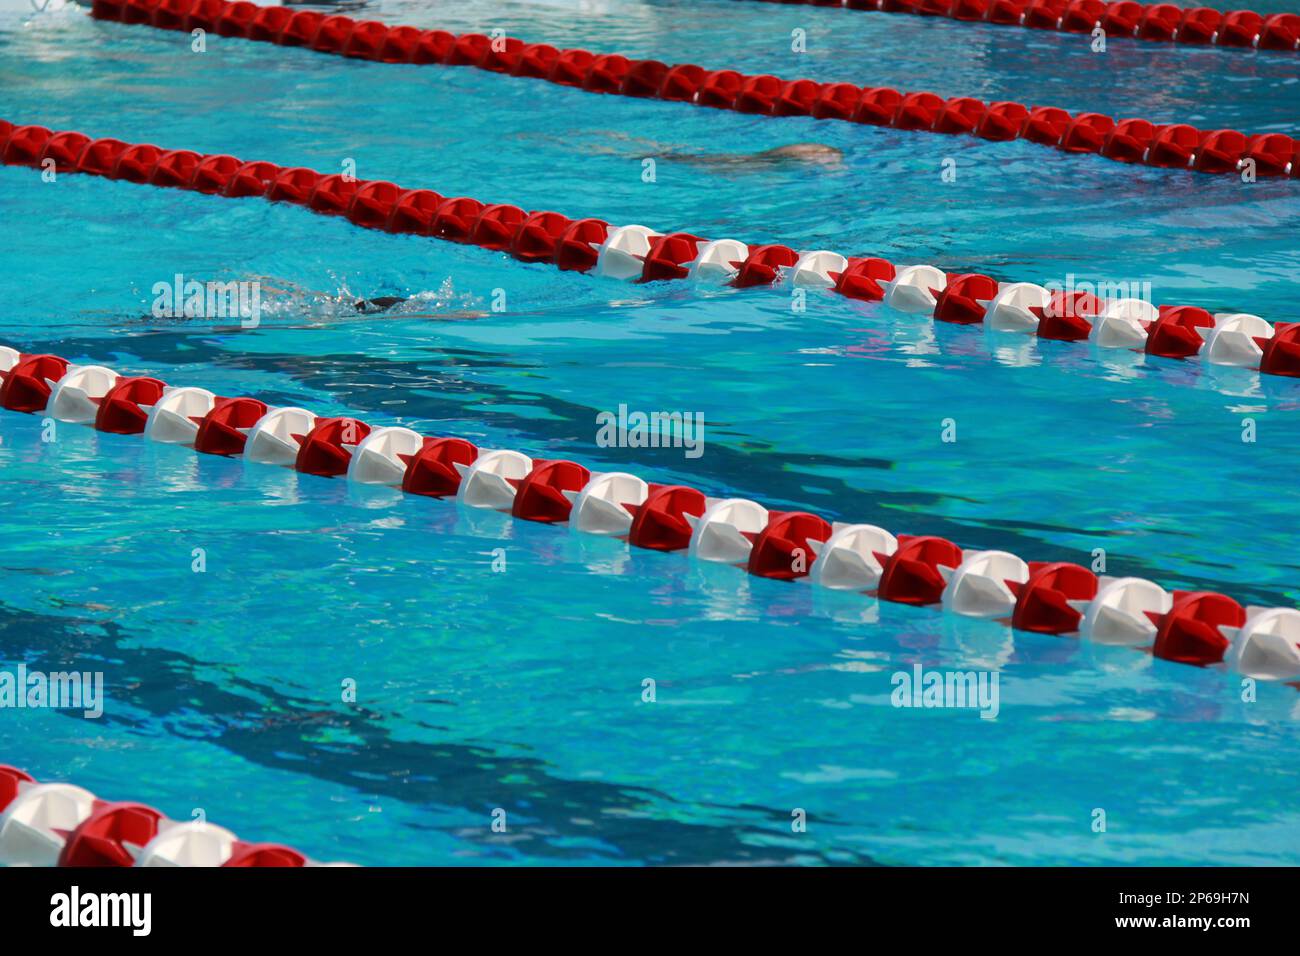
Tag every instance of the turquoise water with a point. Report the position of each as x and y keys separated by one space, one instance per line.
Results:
x=522 y=690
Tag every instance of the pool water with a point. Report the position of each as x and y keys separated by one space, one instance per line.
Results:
x=480 y=690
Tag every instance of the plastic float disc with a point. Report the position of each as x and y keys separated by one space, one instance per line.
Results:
x=224 y=430
x=663 y=521
x=432 y=469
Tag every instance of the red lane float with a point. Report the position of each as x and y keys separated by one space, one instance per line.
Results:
x=1174 y=334
x=433 y=470
x=1200 y=628
x=960 y=300
x=25 y=385
x=326 y=450
x=1159 y=22
x=642 y=254
x=224 y=430
x=1281 y=353
x=541 y=494
x=663 y=521
x=1046 y=601
x=765 y=94
x=124 y=409
x=782 y=549
x=57 y=824
x=911 y=575
x=1189 y=632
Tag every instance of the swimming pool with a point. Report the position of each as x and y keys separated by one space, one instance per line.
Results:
x=522 y=690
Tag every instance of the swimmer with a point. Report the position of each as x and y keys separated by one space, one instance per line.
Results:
x=287 y=299
x=805 y=153
x=278 y=288
x=808 y=154
x=273 y=288
x=792 y=155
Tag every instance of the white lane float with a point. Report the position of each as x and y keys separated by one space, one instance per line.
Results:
x=726 y=530
x=275 y=438
x=1267 y=646
x=915 y=289
x=1232 y=340
x=381 y=457
x=622 y=254
x=491 y=481
x=1011 y=310
x=852 y=558
x=813 y=269
x=1121 y=613
x=605 y=502
x=713 y=260
x=35 y=825
x=76 y=396
x=174 y=420
x=978 y=586
x=196 y=843
x=1123 y=324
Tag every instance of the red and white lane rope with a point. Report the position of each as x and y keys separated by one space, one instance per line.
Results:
x=1052 y=598
x=1160 y=22
x=1176 y=146
x=58 y=824
x=642 y=254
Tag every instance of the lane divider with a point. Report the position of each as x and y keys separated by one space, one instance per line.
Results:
x=641 y=254
x=58 y=824
x=1174 y=146
x=1158 y=22
x=1200 y=628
